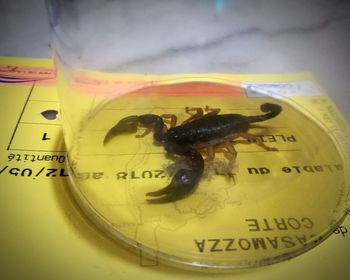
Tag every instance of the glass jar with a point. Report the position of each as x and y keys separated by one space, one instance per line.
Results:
x=241 y=193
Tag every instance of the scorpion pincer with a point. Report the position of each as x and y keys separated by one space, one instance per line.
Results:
x=188 y=139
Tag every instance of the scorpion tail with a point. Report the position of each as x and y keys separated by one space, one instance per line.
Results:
x=183 y=182
x=129 y=125
x=272 y=110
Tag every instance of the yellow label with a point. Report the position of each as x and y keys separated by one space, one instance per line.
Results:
x=272 y=204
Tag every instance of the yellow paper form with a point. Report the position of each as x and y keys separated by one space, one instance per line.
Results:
x=45 y=235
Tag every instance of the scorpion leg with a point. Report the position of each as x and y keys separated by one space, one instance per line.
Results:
x=210 y=146
x=233 y=154
x=184 y=181
x=199 y=113
x=227 y=144
x=257 y=140
x=211 y=153
x=211 y=111
x=232 y=151
x=173 y=119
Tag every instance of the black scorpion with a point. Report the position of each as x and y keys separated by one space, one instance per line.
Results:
x=198 y=132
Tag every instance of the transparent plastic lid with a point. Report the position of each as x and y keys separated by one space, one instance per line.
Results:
x=284 y=192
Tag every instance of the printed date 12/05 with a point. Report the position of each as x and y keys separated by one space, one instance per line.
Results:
x=33 y=172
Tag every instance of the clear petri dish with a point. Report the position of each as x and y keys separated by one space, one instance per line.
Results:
x=266 y=207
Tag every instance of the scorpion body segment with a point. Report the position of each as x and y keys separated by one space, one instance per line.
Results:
x=188 y=138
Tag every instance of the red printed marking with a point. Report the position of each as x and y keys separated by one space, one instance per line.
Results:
x=192 y=89
x=155 y=88
x=24 y=75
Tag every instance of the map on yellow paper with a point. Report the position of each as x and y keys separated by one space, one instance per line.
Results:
x=53 y=230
